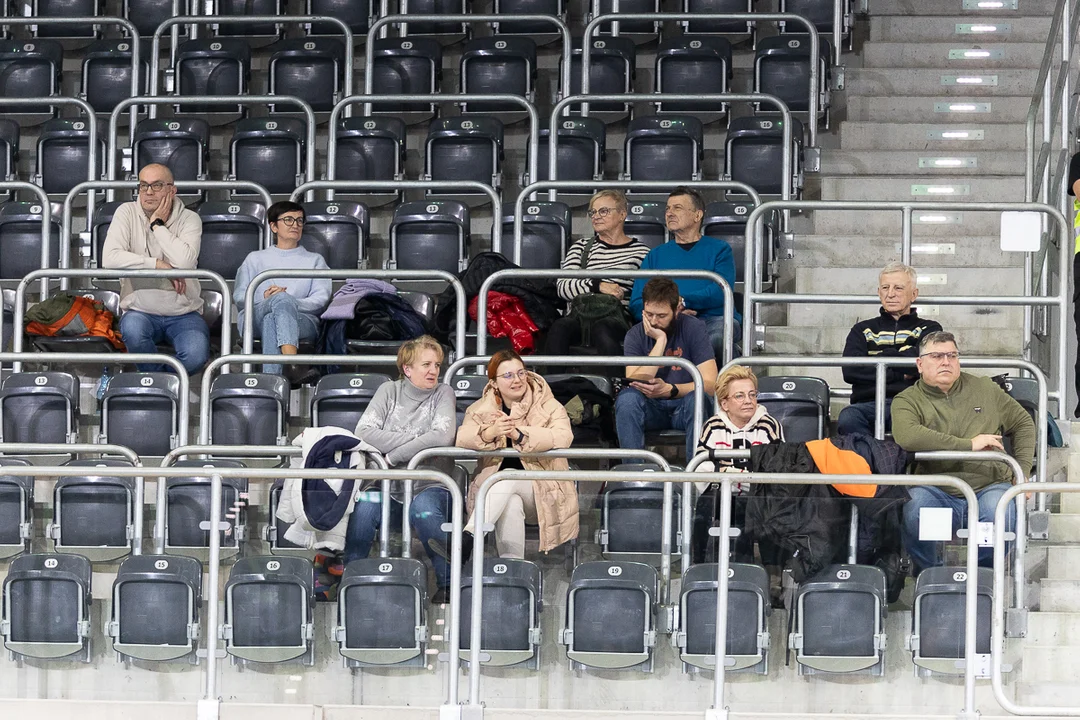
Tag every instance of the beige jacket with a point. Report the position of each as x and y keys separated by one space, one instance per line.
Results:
x=131 y=244
x=546 y=427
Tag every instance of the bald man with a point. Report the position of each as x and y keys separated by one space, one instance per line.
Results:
x=156 y=231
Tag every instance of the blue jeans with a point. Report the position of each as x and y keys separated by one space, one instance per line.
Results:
x=714 y=325
x=858 y=419
x=278 y=321
x=636 y=414
x=430 y=508
x=188 y=335
x=927 y=554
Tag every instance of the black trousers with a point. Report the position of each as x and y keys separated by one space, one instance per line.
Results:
x=1076 y=321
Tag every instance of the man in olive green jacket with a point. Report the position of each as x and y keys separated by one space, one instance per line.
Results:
x=952 y=410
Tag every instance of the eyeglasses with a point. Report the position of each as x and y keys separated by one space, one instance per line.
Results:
x=290 y=221
x=601 y=212
x=939 y=356
x=156 y=187
x=520 y=375
x=743 y=396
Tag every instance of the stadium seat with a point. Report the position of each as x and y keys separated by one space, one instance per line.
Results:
x=545 y=234
x=382 y=612
x=754 y=154
x=357 y=14
x=406 y=66
x=664 y=148
x=269 y=151
x=1026 y=392
x=141 y=411
x=612 y=70
x=29 y=70
x=63 y=159
x=782 y=68
x=39 y=408
x=467 y=390
x=639 y=30
x=727 y=221
x=340 y=399
x=231 y=230
x=580 y=154
x=187 y=509
x=447 y=32
x=609 y=615
x=249 y=409
x=464 y=149
x=937 y=621
x=181 y=144
x=645 y=222
x=146 y=15
x=513 y=599
x=693 y=65
x=16 y=508
x=276 y=528
x=20 y=238
x=93 y=514
x=499 y=65
x=240 y=8
x=99 y=229
x=46 y=607
x=631 y=517
x=820 y=13
x=213 y=66
x=9 y=149
x=270 y=609
x=720 y=27
x=839 y=621
x=156 y=602
x=106 y=73
x=311 y=69
x=541 y=32
x=429 y=235
x=800 y=404
x=748 y=610
x=339 y=232
x=370 y=148
x=46 y=9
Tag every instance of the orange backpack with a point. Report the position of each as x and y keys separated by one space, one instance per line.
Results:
x=83 y=316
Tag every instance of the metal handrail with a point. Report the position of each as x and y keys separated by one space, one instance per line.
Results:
x=490 y=280
x=46 y=224
x=1052 y=94
x=815 y=50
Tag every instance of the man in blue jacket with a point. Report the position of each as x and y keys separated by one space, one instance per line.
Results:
x=690 y=250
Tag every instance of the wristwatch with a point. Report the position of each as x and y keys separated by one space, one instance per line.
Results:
x=157 y=222
x=674 y=391
x=520 y=437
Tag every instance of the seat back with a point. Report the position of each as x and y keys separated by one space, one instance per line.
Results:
x=20 y=238
x=527 y=7
x=406 y=66
x=498 y=65
x=356 y=14
x=141 y=410
x=46 y=606
x=612 y=70
x=839 y=623
x=230 y=231
x=269 y=151
x=755 y=148
x=669 y=148
x=155 y=607
x=819 y=12
x=269 y=608
x=16 y=508
x=338 y=231
x=240 y=8
x=1025 y=391
x=438 y=7
x=800 y=404
x=726 y=27
x=382 y=611
x=580 y=152
x=311 y=69
x=65 y=9
x=609 y=614
x=545 y=234
x=727 y=221
x=693 y=65
x=29 y=70
x=249 y=409
x=370 y=148
x=631 y=517
x=465 y=149
x=63 y=155
x=782 y=68
x=9 y=148
x=146 y=15
x=647 y=28
x=276 y=527
x=187 y=508
x=106 y=73
x=181 y=144
x=748 y=606
x=513 y=599
x=39 y=407
x=937 y=636
x=94 y=514
x=467 y=389
x=645 y=222
x=213 y=66
x=341 y=399
x=431 y=235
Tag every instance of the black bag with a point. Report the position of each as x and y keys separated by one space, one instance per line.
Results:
x=596 y=420
x=384 y=316
x=590 y=308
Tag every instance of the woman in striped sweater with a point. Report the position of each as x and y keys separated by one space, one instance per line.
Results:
x=609 y=249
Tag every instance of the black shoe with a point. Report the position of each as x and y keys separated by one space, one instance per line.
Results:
x=298 y=375
x=441 y=596
x=438 y=548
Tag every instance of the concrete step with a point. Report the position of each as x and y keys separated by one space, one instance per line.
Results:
x=931 y=225
x=872 y=135
x=933 y=163
x=1052 y=629
x=936 y=108
x=1065 y=528
x=902 y=188
x=933 y=281
x=1065 y=694
x=1063 y=561
x=867 y=251
x=938 y=81
x=1070 y=502
x=940 y=29
x=1051 y=664
x=936 y=55
x=811 y=339
x=909 y=8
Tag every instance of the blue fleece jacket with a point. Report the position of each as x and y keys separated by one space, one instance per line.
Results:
x=703 y=296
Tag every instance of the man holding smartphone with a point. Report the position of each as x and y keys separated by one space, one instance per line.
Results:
x=661 y=398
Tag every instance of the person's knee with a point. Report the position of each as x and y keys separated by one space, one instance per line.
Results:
x=193 y=350
x=630 y=400
x=427 y=507
x=851 y=421
x=135 y=327
x=282 y=302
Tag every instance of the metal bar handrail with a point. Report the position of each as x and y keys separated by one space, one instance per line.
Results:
x=248 y=332
x=490 y=280
x=815 y=51
x=46 y=222
x=787 y=161
x=395 y=185
x=1061 y=29
x=116 y=274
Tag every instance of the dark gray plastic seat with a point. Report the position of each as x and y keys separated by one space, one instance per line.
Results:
x=338 y=231
x=631 y=517
x=370 y=148
x=99 y=229
x=580 y=153
x=16 y=508
x=29 y=70
x=340 y=399
x=141 y=410
x=429 y=235
x=212 y=66
x=748 y=611
x=460 y=148
x=1026 y=392
x=801 y=404
x=270 y=609
x=230 y=231
x=9 y=148
x=269 y=151
x=539 y=31
x=357 y=14
x=782 y=68
x=39 y=408
x=609 y=615
x=46 y=608
x=63 y=155
x=156 y=601
x=187 y=509
x=106 y=73
x=20 y=238
x=819 y=12
x=612 y=70
x=545 y=234
x=467 y=390
x=642 y=30
x=754 y=154
x=46 y=9
x=446 y=31
x=276 y=528
x=937 y=623
x=240 y=8
x=249 y=409
x=181 y=144
x=645 y=221
x=407 y=66
x=311 y=69
x=146 y=15
x=498 y=65
x=94 y=514
x=839 y=623
x=725 y=27
x=669 y=148
x=727 y=221
x=513 y=599
x=382 y=612
x=693 y=65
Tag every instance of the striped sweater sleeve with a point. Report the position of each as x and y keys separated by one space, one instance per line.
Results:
x=601 y=257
